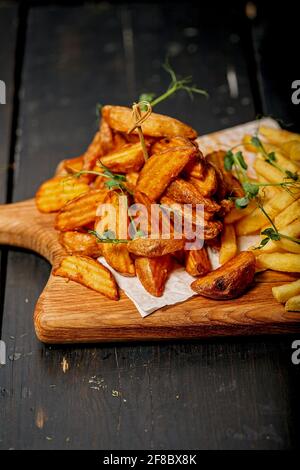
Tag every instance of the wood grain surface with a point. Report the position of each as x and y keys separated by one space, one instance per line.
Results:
x=218 y=393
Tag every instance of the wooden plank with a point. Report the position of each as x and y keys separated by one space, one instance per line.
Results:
x=208 y=394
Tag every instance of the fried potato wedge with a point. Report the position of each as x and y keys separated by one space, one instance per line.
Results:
x=89 y=273
x=73 y=165
x=208 y=185
x=293 y=304
x=154 y=248
x=286 y=291
x=228 y=244
x=232 y=186
x=153 y=273
x=129 y=158
x=197 y=262
x=162 y=145
x=79 y=212
x=93 y=153
x=157 y=125
x=285 y=262
x=53 y=194
x=118 y=258
x=230 y=280
x=80 y=243
x=185 y=192
x=161 y=169
x=106 y=137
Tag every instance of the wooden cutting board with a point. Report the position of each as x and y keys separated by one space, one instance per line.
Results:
x=67 y=312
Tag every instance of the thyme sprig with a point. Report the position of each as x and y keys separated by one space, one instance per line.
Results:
x=108 y=236
x=176 y=84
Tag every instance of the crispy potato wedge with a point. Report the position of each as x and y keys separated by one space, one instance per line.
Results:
x=161 y=169
x=153 y=273
x=119 y=141
x=292 y=150
x=184 y=192
x=154 y=248
x=197 y=262
x=80 y=243
x=127 y=159
x=278 y=136
x=231 y=185
x=53 y=194
x=157 y=125
x=286 y=291
x=293 y=304
x=230 y=280
x=117 y=255
x=209 y=184
x=166 y=143
x=106 y=137
x=79 y=212
x=93 y=153
x=73 y=165
x=89 y=273
x=118 y=258
x=228 y=244
x=285 y=262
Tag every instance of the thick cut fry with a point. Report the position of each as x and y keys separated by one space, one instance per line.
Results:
x=288 y=215
x=278 y=136
x=285 y=262
x=269 y=172
x=286 y=291
x=153 y=273
x=253 y=222
x=79 y=212
x=281 y=160
x=154 y=248
x=236 y=214
x=292 y=150
x=90 y=273
x=157 y=125
x=228 y=281
x=228 y=244
x=116 y=255
x=209 y=184
x=293 y=304
x=161 y=169
x=81 y=244
x=106 y=137
x=186 y=193
x=56 y=192
x=292 y=230
x=197 y=262
x=129 y=158
x=73 y=165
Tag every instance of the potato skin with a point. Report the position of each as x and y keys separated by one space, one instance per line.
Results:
x=230 y=280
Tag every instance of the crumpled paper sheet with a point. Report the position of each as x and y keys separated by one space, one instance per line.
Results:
x=177 y=287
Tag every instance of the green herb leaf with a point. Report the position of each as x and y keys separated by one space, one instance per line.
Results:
x=293 y=176
x=251 y=189
x=241 y=202
x=147 y=97
x=271 y=233
x=255 y=141
x=240 y=158
x=228 y=160
x=263 y=242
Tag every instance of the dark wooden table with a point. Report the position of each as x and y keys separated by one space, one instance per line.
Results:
x=58 y=62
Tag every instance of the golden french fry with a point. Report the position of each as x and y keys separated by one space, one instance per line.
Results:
x=89 y=273
x=185 y=192
x=162 y=168
x=292 y=150
x=269 y=172
x=197 y=262
x=285 y=262
x=53 y=194
x=129 y=158
x=278 y=136
x=153 y=273
x=228 y=281
x=79 y=212
x=228 y=244
x=253 y=222
x=288 y=215
x=209 y=184
x=281 y=160
x=292 y=230
x=286 y=291
x=157 y=125
x=106 y=137
x=293 y=304
x=81 y=244
x=154 y=248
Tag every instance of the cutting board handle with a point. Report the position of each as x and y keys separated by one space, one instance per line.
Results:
x=23 y=226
